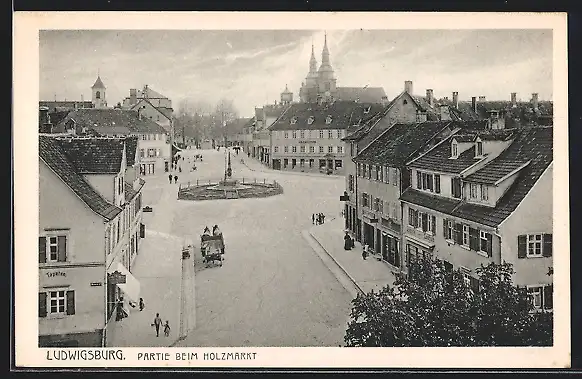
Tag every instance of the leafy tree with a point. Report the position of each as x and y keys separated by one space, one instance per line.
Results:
x=434 y=306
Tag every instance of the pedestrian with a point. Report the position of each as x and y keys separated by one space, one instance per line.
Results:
x=322 y=218
x=180 y=169
x=141 y=304
x=175 y=178
x=170 y=177
x=157 y=323
x=167 y=329
x=313 y=218
x=347 y=242
x=365 y=252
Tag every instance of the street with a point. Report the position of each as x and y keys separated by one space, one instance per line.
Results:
x=272 y=290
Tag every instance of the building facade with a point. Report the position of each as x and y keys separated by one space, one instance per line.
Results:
x=152 y=105
x=82 y=199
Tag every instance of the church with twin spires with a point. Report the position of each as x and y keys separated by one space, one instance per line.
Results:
x=320 y=84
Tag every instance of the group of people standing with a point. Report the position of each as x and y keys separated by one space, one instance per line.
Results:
x=317 y=218
x=215 y=231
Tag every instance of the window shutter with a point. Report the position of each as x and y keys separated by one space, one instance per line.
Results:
x=434 y=225
x=42 y=304
x=489 y=245
x=62 y=249
x=459 y=233
x=418 y=180
x=142 y=230
x=437 y=183
x=445 y=222
x=549 y=297
x=474 y=284
x=547 y=244
x=70 y=302
x=474 y=239
x=424 y=218
x=521 y=246
x=41 y=249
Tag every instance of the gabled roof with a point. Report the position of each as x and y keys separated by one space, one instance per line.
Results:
x=121 y=120
x=343 y=114
x=236 y=126
x=55 y=158
x=130 y=150
x=93 y=155
x=534 y=146
x=362 y=95
x=98 y=83
x=150 y=93
x=395 y=146
x=130 y=193
x=166 y=112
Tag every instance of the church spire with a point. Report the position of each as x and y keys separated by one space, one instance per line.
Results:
x=312 y=61
x=325 y=54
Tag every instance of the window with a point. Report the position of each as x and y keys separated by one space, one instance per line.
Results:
x=449 y=229
x=395 y=209
x=52 y=248
x=302 y=162
x=302 y=134
x=340 y=149
x=330 y=149
x=437 y=183
x=328 y=120
x=98 y=95
x=479 y=148
x=286 y=149
x=395 y=176
x=141 y=153
x=312 y=149
x=456 y=187
x=473 y=191
x=276 y=149
x=321 y=134
x=311 y=163
x=151 y=153
x=454 y=149
x=365 y=201
x=351 y=183
x=412 y=218
x=294 y=134
x=302 y=148
x=486 y=240
x=330 y=134
x=286 y=134
x=321 y=149
x=365 y=170
x=310 y=120
x=56 y=302
x=338 y=163
x=294 y=149
x=536 y=296
x=293 y=162
x=387 y=176
x=466 y=235
x=293 y=121
x=340 y=134
x=534 y=245
x=484 y=192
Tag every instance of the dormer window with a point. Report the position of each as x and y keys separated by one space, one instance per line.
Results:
x=328 y=120
x=310 y=120
x=478 y=149
x=293 y=120
x=367 y=110
x=454 y=149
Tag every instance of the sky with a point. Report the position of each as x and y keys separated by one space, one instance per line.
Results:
x=252 y=68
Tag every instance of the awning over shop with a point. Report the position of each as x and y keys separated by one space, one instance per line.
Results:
x=131 y=287
x=425 y=244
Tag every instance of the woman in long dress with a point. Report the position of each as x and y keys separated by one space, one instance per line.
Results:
x=347 y=242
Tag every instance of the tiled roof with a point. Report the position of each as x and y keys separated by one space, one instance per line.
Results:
x=150 y=93
x=439 y=159
x=531 y=144
x=236 y=126
x=93 y=155
x=58 y=116
x=343 y=114
x=130 y=150
x=395 y=146
x=53 y=155
x=65 y=105
x=362 y=95
x=534 y=145
x=130 y=193
x=122 y=121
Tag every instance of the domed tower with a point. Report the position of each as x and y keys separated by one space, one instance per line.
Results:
x=286 y=96
x=327 y=80
x=98 y=89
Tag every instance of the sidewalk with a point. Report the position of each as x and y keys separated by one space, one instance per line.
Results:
x=366 y=274
x=158 y=269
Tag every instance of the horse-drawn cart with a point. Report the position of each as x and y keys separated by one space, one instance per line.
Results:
x=212 y=248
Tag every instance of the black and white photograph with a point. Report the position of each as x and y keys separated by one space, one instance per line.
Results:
x=324 y=185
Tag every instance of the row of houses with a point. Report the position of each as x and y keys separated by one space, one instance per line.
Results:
x=455 y=188
x=90 y=233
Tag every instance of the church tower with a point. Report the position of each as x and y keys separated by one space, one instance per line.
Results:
x=308 y=91
x=98 y=90
x=286 y=96
x=326 y=76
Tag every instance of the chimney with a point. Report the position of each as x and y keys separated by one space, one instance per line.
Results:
x=145 y=92
x=534 y=100
x=408 y=87
x=456 y=100
x=430 y=97
x=385 y=101
x=514 y=99
x=474 y=104
x=482 y=99
x=132 y=96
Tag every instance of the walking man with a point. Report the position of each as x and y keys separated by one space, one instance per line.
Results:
x=170 y=177
x=141 y=304
x=175 y=178
x=157 y=324
x=322 y=218
x=313 y=218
